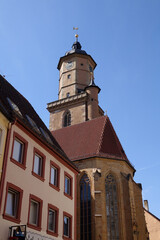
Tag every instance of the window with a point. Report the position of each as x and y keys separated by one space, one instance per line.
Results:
x=85 y=208
x=111 y=208
x=13 y=203
x=46 y=135
x=67 y=226
x=54 y=175
x=68 y=185
x=90 y=68
x=38 y=164
x=52 y=225
x=80 y=90
x=67 y=119
x=35 y=212
x=33 y=124
x=69 y=76
x=14 y=106
x=19 y=150
x=67 y=95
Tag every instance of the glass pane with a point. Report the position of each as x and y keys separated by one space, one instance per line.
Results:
x=38 y=165
x=51 y=220
x=54 y=176
x=12 y=200
x=67 y=185
x=33 y=215
x=17 y=151
x=85 y=208
x=66 y=226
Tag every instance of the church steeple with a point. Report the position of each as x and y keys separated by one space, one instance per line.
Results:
x=78 y=94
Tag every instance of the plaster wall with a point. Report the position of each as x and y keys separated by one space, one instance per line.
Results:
x=153 y=226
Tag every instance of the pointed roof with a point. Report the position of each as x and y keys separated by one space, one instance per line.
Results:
x=94 y=138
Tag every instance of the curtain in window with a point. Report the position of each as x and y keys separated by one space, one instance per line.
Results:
x=111 y=208
x=85 y=208
x=33 y=216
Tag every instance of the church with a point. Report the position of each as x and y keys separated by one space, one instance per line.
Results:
x=109 y=201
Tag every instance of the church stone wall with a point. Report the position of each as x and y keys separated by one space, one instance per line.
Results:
x=141 y=224
x=78 y=115
x=97 y=170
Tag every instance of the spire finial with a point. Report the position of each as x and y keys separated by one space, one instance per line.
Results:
x=76 y=35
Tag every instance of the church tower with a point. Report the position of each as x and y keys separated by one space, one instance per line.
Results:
x=109 y=201
x=78 y=94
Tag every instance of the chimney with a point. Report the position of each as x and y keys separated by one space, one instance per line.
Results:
x=146 y=205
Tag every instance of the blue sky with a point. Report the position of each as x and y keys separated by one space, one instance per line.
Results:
x=123 y=37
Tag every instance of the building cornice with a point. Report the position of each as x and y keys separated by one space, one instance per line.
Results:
x=56 y=105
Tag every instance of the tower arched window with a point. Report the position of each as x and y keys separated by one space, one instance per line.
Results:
x=67 y=119
x=85 y=208
x=111 y=208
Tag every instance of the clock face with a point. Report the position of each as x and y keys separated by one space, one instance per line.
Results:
x=69 y=65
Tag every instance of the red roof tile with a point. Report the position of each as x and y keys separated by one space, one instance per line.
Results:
x=90 y=139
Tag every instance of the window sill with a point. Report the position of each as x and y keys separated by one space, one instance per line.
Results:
x=12 y=219
x=21 y=165
x=38 y=176
x=55 y=187
x=34 y=227
x=69 y=196
x=66 y=238
x=52 y=233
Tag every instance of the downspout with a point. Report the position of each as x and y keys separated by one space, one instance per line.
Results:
x=4 y=167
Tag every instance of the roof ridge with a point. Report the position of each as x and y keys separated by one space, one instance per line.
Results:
x=119 y=145
x=101 y=137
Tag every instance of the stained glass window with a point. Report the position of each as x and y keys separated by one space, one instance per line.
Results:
x=85 y=208
x=111 y=208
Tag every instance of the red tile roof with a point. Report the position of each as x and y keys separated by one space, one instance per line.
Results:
x=90 y=139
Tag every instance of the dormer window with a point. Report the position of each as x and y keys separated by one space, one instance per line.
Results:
x=46 y=135
x=33 y=124
x=67 y=119
x=14 y=106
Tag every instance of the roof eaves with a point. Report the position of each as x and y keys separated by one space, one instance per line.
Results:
x=53 y=147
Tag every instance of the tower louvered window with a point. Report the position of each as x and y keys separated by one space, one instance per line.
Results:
x=85 y=208
x=111 y=208
x=67 y=119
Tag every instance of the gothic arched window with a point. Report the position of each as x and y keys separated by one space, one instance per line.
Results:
x=67 y=119
x=85 y=208
x=111 y=208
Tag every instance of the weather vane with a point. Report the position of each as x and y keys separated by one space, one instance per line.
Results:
x=76 y=35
